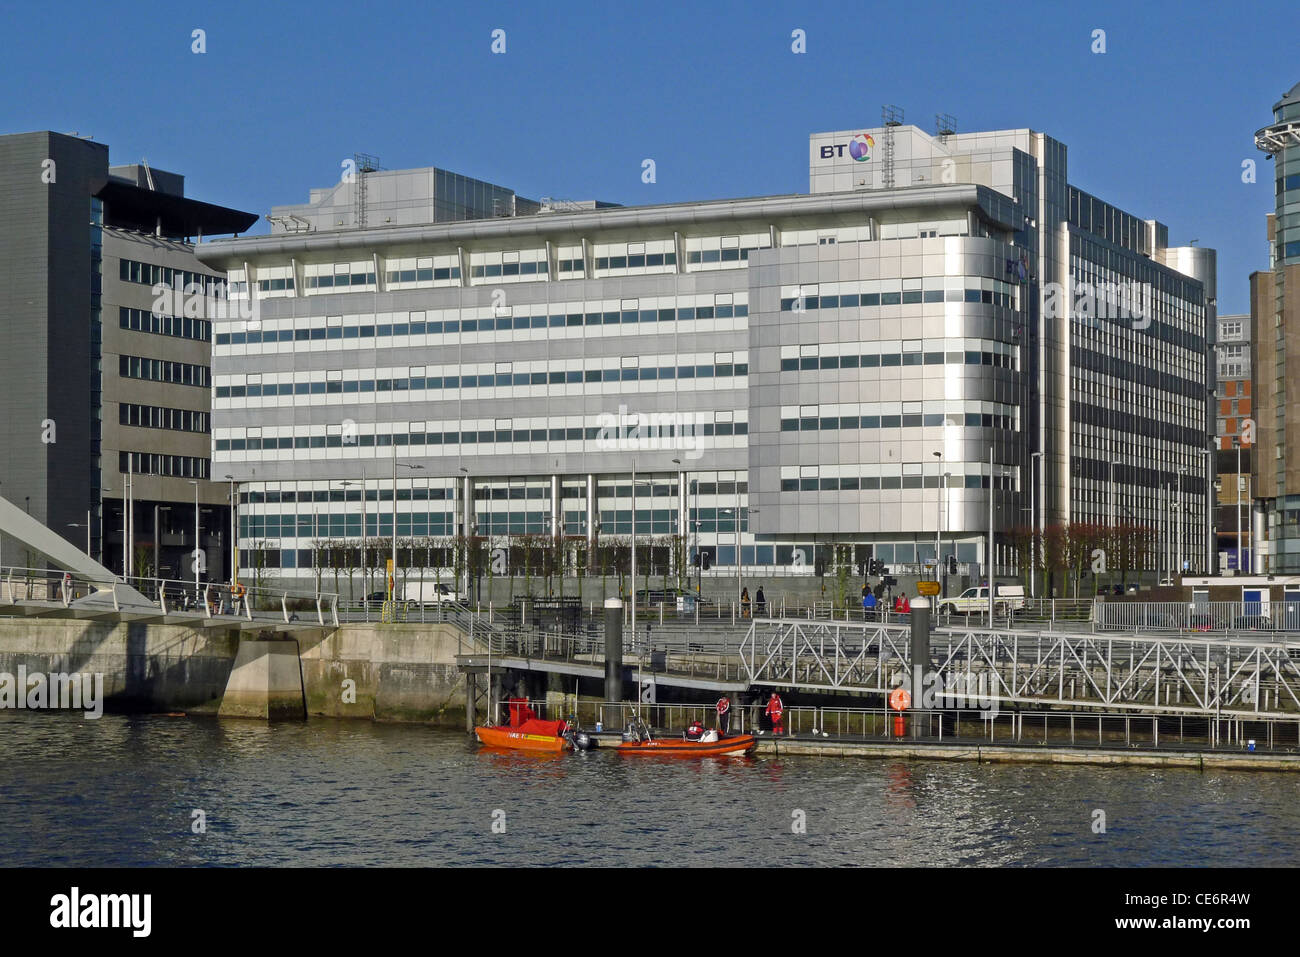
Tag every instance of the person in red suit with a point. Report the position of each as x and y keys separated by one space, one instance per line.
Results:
x=724 y=715
x=776 y=711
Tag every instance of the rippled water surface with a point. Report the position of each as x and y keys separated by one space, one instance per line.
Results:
x=122 y=791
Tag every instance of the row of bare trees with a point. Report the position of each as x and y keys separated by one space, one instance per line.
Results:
x=539 y=563
x=1070 y=553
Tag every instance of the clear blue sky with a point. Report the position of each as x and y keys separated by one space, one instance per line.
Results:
x=1159 y=124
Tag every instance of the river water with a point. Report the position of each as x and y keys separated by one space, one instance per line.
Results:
x=123 y=791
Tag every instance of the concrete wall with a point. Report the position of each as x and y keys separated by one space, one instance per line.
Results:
x=145 y=667
x=400 y=672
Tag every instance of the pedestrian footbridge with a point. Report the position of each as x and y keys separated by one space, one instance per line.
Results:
x=1217 y=675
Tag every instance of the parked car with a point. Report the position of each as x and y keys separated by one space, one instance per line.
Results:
x=976 y=600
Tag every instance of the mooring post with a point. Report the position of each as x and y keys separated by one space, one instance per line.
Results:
x=613 y=649
x=920 y=655
x=471 y=691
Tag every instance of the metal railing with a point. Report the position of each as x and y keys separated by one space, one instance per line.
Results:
x=1216 y=616
x=38 y=589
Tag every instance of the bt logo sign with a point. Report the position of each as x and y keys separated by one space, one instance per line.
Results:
x=859 y=148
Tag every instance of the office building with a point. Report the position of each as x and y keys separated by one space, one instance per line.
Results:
x=1275 y=316
x=1234 y=436
x=823 y=369
x=101 y=391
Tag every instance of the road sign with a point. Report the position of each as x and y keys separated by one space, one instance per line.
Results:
x=927 y=588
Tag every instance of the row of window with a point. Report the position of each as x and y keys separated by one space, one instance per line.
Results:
x=161 y=370
x=150 y=274
x=469 y=437
x=342 y=280
x=910 y=293
x=887 y=359
x=1133 y=424
x=161 y=417
x=753 y=556
x=971 y=420
x=453 y=326
x=492 y=270
x=485 y=491
x=154 y=463
x=489 y=380
x=638 y=261
x=142 y=320
x=856 y=483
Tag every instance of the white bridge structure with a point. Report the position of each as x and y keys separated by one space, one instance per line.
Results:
x=76 y=586
x=1216 y=676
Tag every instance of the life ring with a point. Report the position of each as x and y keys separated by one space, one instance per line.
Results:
x=900 y=699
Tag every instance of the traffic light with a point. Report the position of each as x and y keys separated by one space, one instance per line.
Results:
x=702 y=560
x=952 y=564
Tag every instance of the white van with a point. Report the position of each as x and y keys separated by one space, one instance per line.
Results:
x=431 y=593
x=975 y=600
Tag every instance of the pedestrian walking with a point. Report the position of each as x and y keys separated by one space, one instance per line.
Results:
x=868 y=604
x=760 y=602
x=744 y=603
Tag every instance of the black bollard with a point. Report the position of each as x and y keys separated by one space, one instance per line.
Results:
x=613 y=649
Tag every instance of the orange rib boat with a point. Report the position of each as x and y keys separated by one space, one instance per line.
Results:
x=529 y=735
x=678 y=748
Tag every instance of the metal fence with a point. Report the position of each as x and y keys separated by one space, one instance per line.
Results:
x=1215 y=616
x=38 y=590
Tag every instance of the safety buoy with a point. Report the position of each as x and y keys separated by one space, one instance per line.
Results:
x=900 y=699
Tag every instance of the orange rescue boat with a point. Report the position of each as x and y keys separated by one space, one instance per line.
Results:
x=525 y=732
x=530 y=735
x=679 y=748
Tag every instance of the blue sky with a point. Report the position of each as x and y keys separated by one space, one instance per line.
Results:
x=1159 y=124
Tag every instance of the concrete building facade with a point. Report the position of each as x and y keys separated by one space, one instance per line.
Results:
x=933 y=329
x=100 y=388
x=1275 y=315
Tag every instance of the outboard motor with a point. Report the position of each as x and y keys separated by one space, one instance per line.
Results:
x=580 y=739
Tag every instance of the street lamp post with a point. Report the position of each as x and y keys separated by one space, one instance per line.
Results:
x=392 y=586
x=1033 y=524
x=938 y=513
x=198 y=542
x=1209 y=535
x=78 y=525
x=234 y=538
x=1237 y=494
x=347 y=485
x=1178 y=513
